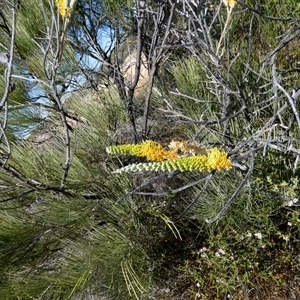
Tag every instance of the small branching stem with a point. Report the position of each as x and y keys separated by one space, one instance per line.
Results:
x=235 y=194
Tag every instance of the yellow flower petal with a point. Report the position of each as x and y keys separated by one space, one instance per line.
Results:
x=151 y=150
x=229 y=3
x=217 y=159
x=64 y=10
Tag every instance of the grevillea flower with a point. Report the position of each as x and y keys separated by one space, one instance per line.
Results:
x=169 y=160
x=229 y=3
x=149 y=149
x=63 y=8
x=217 y=160
x=190 y=163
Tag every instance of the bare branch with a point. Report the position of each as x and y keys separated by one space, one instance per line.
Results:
x=235 y=194
x=8 y=83
x=203 y=189
x=155 y=57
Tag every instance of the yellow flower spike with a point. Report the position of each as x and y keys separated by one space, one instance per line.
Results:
x=169 y=160
x=63 y=8
x=217 y=159
x=190 y=163
x=155 y=151
x=151 y=150
x=229 y=3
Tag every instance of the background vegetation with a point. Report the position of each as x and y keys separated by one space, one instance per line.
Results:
x=100 y=73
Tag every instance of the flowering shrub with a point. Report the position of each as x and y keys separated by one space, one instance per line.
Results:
x=181 y=156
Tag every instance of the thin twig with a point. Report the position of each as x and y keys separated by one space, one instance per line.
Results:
x=235 y=194
x=8 y=84
x=207 y=180
x=55 y=64
x=155 y=58
x=225 y=29
x=146 y=184
x=173 y=191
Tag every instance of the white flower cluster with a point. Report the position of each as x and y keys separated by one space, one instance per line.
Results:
x=258 y=235
x=202 y=252
x=292 y=202
x=220 y=252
